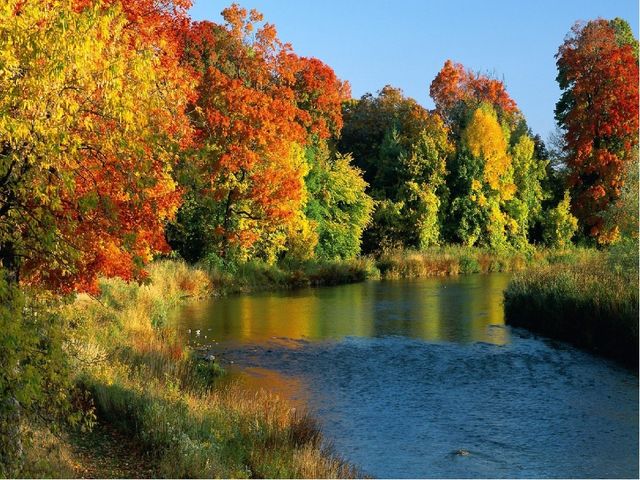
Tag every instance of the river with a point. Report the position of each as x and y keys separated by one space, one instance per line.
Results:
x=421 y=378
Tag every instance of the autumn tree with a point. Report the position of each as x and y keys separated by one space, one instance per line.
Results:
x=598 y=113
x=484 y=182
x=319 y=94
x=455 y=90
x=495 y=179
x=258 y=106
x=92 y=121
x=248 y=166
x=338 y=204
x=403 y=150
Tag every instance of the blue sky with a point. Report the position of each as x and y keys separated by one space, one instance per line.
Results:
x=404 y=43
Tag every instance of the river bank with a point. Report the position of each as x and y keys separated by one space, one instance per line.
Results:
x=590 y=304
x=448 y=260
x=144 y=383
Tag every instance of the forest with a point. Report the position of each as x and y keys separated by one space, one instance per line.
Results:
x=145 y=157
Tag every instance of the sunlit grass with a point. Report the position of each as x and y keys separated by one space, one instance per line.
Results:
x=589 y=303
x=146 y=383
x=255 y=275
x=454 y=260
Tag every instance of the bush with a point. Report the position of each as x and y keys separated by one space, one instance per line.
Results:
x=35 y=378
x=559 y=225
x=469 y=264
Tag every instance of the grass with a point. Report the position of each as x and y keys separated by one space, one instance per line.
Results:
x=256 y=276
x=438 y=261
x=147 y=386
x=589 y=303
x=454 y=260
x=164 y=398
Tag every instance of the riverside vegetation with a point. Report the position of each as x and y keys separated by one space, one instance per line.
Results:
x=132 y=371
x=588 y=303
x=220 y=146
x=138 y=376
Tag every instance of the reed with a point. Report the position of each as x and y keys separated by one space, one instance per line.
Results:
x=588 y=303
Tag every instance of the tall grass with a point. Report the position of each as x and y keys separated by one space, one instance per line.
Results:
x=454 y=260
x=589 y=303
x=255 y=275
x=145 y=382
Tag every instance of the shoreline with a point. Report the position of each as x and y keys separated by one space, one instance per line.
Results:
x=147 y=385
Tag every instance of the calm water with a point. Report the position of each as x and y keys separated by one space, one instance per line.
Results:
x=402 y=374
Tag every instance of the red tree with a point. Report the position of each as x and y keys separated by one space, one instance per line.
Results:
x=93 y=125
x=598 y=111
x=455 y=84
x=258 y=103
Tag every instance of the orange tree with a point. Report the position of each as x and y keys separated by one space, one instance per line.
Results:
x=92 y=118
x=92 y=106
x=258 y=106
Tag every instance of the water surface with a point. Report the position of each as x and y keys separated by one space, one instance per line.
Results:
x=402 y=374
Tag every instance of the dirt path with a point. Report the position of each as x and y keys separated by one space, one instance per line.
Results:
x=107 y=453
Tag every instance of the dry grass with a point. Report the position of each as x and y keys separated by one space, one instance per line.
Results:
x=144 y=382
x=455 y=260
x=588 y=303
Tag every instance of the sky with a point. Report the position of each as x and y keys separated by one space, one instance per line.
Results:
x=404 y=43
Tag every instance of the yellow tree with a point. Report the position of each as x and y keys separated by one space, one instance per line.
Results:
x=91 y=119
x=486 y=141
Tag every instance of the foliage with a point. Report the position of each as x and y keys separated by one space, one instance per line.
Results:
x=598 y=73
x=456 y=89
x=403 y=150
x=337 y=203
x=559 y=224
x=528 y=174
x=370 y=119
x=35 y=378
x=495 y=177
x=480 y=207
x=91 y=121
x=258 y=104
x=621 y=219
x=484 y=138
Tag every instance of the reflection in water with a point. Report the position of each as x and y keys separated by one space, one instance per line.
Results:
x=402 y=374
x=453 y=310
x=255 y=378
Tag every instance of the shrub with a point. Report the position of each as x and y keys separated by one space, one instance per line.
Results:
x=35 y=378
x=559 y=225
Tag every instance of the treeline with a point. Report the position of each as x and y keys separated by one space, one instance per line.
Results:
x=128 y=129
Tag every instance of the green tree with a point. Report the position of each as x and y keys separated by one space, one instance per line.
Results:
x=528 y=173
x=337 y=203
x=559 y=225
x=403 y=149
